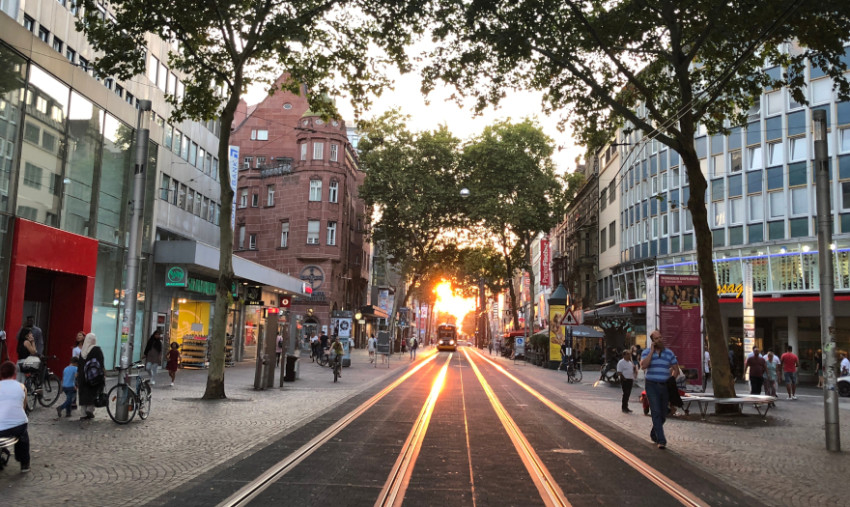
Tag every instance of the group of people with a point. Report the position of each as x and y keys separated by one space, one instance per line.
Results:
x=765 y=371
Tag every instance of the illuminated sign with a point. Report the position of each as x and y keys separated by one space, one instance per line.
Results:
x=176 y=276
x=730 y=289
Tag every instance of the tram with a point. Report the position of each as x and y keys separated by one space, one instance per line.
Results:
x=447 y=337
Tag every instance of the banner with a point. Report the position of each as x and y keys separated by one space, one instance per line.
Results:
x=680 y=320
x=556 y=330
x=545 y=254
x=233 y=161
x=383 y=300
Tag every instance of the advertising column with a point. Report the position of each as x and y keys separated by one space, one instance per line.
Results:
x=680 y=321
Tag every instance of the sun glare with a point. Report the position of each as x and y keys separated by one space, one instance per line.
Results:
x=449 y=301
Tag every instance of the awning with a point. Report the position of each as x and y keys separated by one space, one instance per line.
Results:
x=583 y=331
x=204 y=259
x=374 y=312
x=606 y=311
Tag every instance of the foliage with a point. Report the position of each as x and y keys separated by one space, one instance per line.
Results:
x=222 y=47
x=514 y=191
x=659 y=68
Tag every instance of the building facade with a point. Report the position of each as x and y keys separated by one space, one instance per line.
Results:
x=297 y=205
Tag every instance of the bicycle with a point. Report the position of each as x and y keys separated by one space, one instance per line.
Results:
x=42 y=385
x=337 y=366
x=136 y=399
x=573 y=373
x=324 y=358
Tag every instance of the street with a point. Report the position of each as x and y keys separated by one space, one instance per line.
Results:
x=450 y=428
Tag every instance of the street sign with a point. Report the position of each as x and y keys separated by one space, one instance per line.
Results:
x=519 y=346
x=569 y=319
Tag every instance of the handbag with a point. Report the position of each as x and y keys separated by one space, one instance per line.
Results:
x=100 y=400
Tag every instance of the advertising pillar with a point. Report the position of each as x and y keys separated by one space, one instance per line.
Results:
x=557 y=312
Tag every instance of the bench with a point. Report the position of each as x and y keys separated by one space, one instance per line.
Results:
x=5 y=455
x=758 y=401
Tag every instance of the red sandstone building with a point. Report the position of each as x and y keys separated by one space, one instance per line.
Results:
x=297 y=205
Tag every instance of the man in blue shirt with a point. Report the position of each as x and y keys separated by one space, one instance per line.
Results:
x=657 y=360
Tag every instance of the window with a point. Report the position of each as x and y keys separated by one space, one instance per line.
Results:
x=181 y=197
x=190 y=200
x=269 y=195
x=70 y=54
x=255 y=200
x=334 y=152
x=175 y=185
x=612 y=234
x=797 y=149
x=754 y=157
x=312 y=232
x=243 y=198
x=719 y=214
x=603 y=240
x=315 y=190
x=198 y=200
x=119 y=90
x=603 y=199
x=193 y=154
x=259 y=135
x=57 y=44
x=304 y=151
x=799 y=201
x=776 y=201
x=200 y=162
x=178 y=139
x=736 y=211
x=774 y=154
x=162 y=78
x=318 y=151
x=261 y=162
x=333 y=192
x=84 y=64
x=735 y=163
x=675 y=182
x=29 y=23
x=165 y=187
x=844 y=139
x=205 y=208
x=153 y=68
x=774 y=102
x=252 y=242
x=247 y=162
x=241 y=237
x=32 y=176
x=821 y=90
x=284 y=234
x=674 y=218
x=211 y=216
x=717 y=166
x=845 y=195
x=31 y=133
x=43 y=34
x=331 y=233
x=184 y=148
x=756 y=207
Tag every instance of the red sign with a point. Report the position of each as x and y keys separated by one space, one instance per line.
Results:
x=285 y=301
x=545 y=255
x=272 y=310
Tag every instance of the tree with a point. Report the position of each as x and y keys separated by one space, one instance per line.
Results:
x=222 y=47
x=412 y=188
x=660 y=67
x=514 y=192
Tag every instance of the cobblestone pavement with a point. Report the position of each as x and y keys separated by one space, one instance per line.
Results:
x=782 y=462
x=101 y=463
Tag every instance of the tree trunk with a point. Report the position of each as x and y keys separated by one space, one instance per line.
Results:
x=224 y=286
x=721 y=374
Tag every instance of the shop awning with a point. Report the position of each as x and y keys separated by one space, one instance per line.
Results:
x=586 y=332
x=375 y=312
x=204 y=258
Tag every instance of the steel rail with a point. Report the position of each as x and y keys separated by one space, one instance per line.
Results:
x=251 y=490
x=671 y=487
x=392 y=494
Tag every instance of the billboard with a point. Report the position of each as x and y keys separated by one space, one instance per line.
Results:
x=680 y=320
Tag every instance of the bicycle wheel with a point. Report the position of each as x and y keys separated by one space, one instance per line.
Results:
x=575 y=376
x=119 y=398
x=50 y=391
x=145 y=397
x=30 y=399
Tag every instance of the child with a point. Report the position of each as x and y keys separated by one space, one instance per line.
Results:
x=69 y=376
x=171 y=365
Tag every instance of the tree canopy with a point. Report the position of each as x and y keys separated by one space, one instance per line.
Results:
x=660 y=68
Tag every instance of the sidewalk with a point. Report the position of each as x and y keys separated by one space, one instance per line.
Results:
x=99 y=462
x=783 y=461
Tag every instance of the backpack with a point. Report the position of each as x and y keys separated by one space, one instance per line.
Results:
x=93 y=372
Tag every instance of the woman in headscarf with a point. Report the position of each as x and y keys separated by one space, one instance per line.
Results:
x=87 y=391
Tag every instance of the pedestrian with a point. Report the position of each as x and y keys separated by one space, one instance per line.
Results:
x=78 y=344
x=324 y=342
x=314 y=346
x=844 y=367
x=37 y=334
x=565 y=357
x=706 y=369
x=490 y=347
x=338 y=352
x=413 y=346
x=153 y=354
x=90 y=381
x=770 y=376
x=172 y=360
x=278 y=348
x=26 y=348
x=675 y=383
x=757 y=367
x=790 y=362
x=628 y=371
x=371 y=345
x=69 y=387
x=4 y=352
x=13 y=417
x=819 y=367
x=657 y=361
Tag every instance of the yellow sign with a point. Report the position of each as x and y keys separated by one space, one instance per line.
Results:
x=730 y=289
x=557 y=313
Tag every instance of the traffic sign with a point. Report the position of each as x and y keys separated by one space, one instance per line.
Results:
x=569 y=319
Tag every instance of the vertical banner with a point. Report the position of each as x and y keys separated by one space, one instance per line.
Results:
x=749 y=313
x=233 y=160
x=556 y=330
x=680 y=321
x=383 y=299
x=544 y=262
x=651 y=306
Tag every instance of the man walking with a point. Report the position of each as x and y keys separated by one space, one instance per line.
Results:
x=658 y=361
x=627 y=371
x=757 y=368
x=706 y=365
x=790 y=362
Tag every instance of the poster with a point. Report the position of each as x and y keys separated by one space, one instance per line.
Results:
x=556 y=331
x=680 y=320
x=383 y=300
x=544 y=262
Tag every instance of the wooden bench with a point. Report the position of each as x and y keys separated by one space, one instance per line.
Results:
x=758 y=401
x=5 y=455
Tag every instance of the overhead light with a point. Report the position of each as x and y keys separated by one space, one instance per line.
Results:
x=806 y=248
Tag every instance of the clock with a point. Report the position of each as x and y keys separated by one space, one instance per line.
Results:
x=313 y=275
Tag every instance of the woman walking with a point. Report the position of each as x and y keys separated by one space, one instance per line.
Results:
x=153 y=354
x=90 y=382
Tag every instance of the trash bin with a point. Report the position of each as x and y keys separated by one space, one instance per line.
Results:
x=291 y=368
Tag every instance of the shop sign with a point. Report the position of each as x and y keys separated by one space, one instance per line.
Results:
x=254 y=295
x=201 y=286
x=285 y=301
x=176 y=276
x=730 y=289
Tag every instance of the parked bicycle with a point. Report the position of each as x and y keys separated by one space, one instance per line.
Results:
x=42 y=384
x=573 y=372
x=133 y=399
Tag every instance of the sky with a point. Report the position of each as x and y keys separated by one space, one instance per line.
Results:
x=406 y=96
